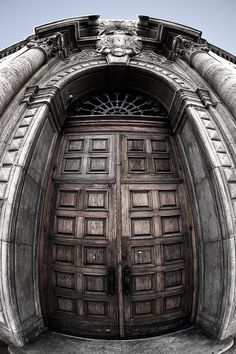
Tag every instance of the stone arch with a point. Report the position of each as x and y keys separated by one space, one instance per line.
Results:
x=25 y=170
x=136 y=73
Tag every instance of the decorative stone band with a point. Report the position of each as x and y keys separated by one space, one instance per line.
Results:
x=19 y=70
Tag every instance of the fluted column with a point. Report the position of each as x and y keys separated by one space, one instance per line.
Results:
x=221 y=78
x=20 y=69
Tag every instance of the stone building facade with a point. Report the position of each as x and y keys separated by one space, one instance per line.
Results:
x=68 y=93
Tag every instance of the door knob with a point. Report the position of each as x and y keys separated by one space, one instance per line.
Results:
x=111 y=277
x=127 y=280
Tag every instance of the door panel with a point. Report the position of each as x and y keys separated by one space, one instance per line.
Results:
x=147 y=156
x=119 y=248
x=87 y=158
x=81 y=301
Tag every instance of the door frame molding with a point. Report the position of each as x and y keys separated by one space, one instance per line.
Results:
x=206 y=147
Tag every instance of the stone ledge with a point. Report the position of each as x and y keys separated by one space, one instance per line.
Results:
x=183 y=342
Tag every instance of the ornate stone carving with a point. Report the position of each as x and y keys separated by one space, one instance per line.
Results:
x=50 y=45
x=186 y=48
x=151 y=56
x=85 y=55
x=119 y=41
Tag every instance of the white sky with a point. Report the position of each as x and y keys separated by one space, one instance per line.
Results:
x=215 y=18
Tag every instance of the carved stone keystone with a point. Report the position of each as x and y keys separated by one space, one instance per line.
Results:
x=119 y=42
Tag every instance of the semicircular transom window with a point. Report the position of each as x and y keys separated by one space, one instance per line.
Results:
x=118 y=103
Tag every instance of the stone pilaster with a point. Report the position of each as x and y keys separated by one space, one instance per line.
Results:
x=221 y=78
x=19 y=70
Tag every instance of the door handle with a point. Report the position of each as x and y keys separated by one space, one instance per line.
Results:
x=127 y=280
x=111 y=278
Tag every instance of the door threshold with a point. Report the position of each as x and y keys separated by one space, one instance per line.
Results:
x=185 y=341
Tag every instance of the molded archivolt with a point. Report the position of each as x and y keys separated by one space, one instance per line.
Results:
x=24 y=174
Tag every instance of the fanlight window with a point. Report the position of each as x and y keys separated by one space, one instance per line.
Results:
x=118 y=103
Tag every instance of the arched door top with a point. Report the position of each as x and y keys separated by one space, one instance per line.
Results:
x=114 y=102
x=157 y=80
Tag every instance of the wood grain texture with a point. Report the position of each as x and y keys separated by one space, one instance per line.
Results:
x=119 y=201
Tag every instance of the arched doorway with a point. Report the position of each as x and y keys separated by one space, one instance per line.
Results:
x=118 y=249
x=207 y=162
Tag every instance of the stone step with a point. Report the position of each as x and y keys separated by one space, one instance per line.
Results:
x=188 y=341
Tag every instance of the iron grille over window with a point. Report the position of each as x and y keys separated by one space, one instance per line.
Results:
x=118 y=103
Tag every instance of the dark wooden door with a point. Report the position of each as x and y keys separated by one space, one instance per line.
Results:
x=82 y=256
x=118 y=244
x=155 y=237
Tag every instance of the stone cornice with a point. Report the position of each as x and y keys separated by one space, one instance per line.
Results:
x=222 y=53
x=15 y=47
x=158 y=34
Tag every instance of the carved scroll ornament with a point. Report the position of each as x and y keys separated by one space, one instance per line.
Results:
x=186 y=48
x=50 y=45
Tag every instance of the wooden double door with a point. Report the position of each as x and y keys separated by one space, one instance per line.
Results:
x=119 y=253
